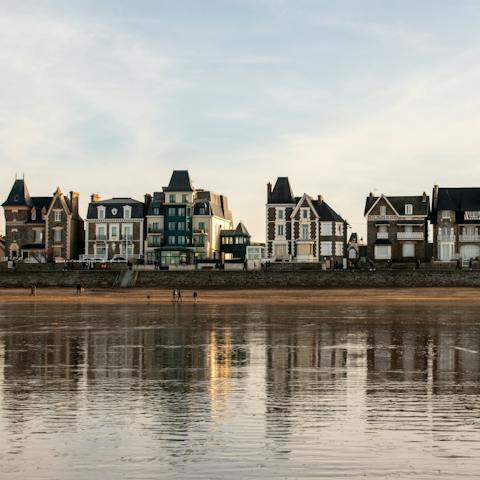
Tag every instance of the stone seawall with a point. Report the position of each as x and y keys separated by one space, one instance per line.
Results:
x=245 y=280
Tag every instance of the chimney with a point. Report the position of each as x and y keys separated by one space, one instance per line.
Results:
x=74 y=201
x=320 y=199
x=147 y=200
x=424 y=197
x=370 y=194
x=269 y=191
x=94 y=198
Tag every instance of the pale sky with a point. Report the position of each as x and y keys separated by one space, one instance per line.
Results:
x=344 y=97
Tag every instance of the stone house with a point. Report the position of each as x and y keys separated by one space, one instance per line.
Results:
x=397 y=227
x=302 y=229
x=114 y=229
x=184 y=223
x=455 y=218
x=42 y=228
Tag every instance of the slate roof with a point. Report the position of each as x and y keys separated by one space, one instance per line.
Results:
x=460 y=200
x=325 y=212
x=18 y=196
x=179 y=182
x=214 y=204
x=420 y=207
x=118 y=203
x=239 y=231
x=39 y=203
x=282 y=192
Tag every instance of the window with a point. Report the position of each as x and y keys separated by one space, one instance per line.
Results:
x=339 y=249
x=326 y=249
x=305 y=235
x=202 y=211
x=172 y=211
x=408 y=250
x=445 y=214
x=114 y=232
x=280 y=230
x=383 y=252
x=57 y=216
x=239 y=240
x=171 y=198
x=305 y=213
x=181 y=239
x=281 y=251
x=101 y=232
x=57 y=235
x=100 y=213
x=14 y=215
x=383 y=210
x=34 y=214
x=171 y=240
x=101 y=250
x=181 y=226
x=127 y=212
x=201 y=225
x=171 y=225
x=127 y=230
x=156 y=211
x=38 y=236
x=326 y=229
x=181 y=212
x=408 y=209
x=338 y=229
x=281 y=214
x=184 y=198
x=154 y=241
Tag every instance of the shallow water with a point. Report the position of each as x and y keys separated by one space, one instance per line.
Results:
x=238 y=392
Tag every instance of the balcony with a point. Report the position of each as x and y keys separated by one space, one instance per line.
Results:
x=446 y=237
x=127 y=236
x=410 y=236
x=101 y=237
x=199 y=231
x=382 y=235
x=475 y=237
x=154 y=230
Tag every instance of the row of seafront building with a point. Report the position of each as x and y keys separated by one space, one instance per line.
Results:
x=184 y=225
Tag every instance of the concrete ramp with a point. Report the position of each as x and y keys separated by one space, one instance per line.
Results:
x=128 y=279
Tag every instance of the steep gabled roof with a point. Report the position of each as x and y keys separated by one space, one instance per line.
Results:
x=282 y=192
x=325 y=212
x=179 y=182
x=458 y=199
x=19 y=195
x=241 y=230
x=420 y=203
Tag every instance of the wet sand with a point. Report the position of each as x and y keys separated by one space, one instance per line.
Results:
x=303 y=297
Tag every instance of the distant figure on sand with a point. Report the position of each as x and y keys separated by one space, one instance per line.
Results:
x=179 y=296
x=79 y=288
x=195 y=297
x=33 y=290
x=174 y=296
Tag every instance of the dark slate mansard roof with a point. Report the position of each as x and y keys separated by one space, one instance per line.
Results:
x=420 y=207
x=459 y=200
x=179 y=182
x=239 y=231
x=282 y=192
x=118 y=203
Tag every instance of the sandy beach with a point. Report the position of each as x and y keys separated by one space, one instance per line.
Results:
x=464 y=296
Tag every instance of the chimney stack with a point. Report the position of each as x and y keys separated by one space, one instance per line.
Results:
x=94 y=198
x=320 y=199
x=269 y=190
x=424 y=197
x=74 y=196
x=370 y=194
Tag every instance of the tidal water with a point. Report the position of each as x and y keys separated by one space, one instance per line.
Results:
x=239 y=392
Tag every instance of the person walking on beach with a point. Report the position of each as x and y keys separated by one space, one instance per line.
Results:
x=195 y=297
x=33 y=291
x=179 y=296
x=79 y=288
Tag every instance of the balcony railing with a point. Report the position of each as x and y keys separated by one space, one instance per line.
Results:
x=154 y=230
x=199 y=231
x=101 y=237
x=410 y=236
x=469 y=237
x=446 y=237
x=382 y=235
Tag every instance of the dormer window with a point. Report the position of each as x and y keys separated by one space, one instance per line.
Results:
x=34 y=214
x=383 y=210
x=171 y=198
x=101 y=212
x=408 y=209
x=57 y=216
x=445 y=214
x=305 y=212
x=127 y=212
x=114 y=211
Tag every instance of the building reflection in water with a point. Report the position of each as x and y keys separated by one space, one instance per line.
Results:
x=173 y=372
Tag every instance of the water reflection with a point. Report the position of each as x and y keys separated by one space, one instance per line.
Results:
x=238 y=392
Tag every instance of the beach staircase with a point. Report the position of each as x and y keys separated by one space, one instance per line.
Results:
x=128 y=279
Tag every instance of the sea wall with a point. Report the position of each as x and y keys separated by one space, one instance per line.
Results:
x=244 y=280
